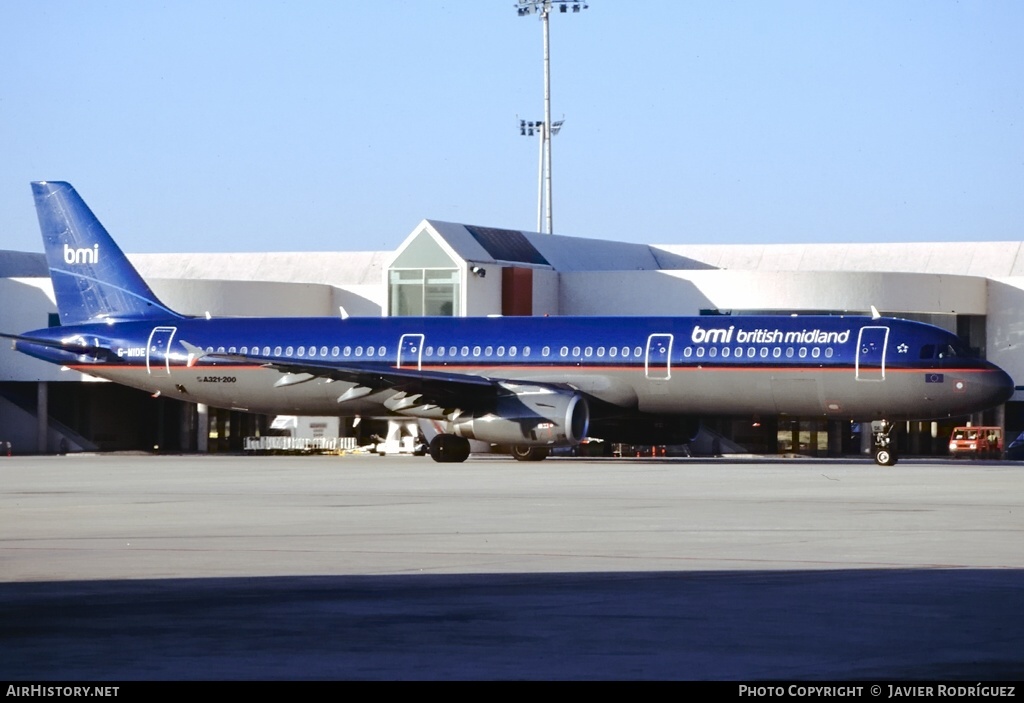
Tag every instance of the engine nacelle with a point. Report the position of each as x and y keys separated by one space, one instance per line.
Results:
x=532 y=416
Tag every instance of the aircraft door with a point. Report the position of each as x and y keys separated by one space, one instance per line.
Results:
x=159 y=346
x=410 y=351
x=871 y=346
x=658 y=360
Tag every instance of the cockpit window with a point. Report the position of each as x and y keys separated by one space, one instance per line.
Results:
x=949 y=350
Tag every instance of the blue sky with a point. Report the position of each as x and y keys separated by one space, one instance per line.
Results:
x=327 y=125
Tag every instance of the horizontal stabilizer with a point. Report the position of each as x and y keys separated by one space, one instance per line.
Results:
x=76 y=345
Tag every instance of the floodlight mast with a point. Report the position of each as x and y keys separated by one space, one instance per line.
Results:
x=527 y=129
x=547 y=129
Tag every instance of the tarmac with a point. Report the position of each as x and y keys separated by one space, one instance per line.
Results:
x=121 y=568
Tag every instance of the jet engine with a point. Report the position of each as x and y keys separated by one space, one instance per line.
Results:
x=531 y=416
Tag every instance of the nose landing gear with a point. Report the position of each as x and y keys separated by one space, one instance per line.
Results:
x=883 y=445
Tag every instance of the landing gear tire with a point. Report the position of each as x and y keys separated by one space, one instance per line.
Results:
x=523 y=453
x=884 y=457
x=449 y=449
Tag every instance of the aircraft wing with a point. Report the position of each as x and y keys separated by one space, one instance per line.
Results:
x=440 y=388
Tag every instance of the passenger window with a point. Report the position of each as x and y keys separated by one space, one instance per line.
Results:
x=451 y=351
x=323 y=351
x=776 y=352
x=637 y=351
x=750 y=352
x=789 y=352
x=359 y=350
x=600 y=352
x=501 y=351
x=725 y=352
x=526 y=351
x=348 y=351
x=488 y=351
x=429 y=351
x=828 y=353
x=576 y=352
x=512 y=351
x=816 y=352
x=476 y=351
x=564 y=351
x=334 y=351
x=465 y=351
x=687 y=352
x=277 y=351
x=244 y=350
x=588 y=352
x=764 y=352
x=613 y=352
x=713 y=352
x=382 y=350
x=266 y=351
x=803 y=352
x=369 y=351
x=700 y=351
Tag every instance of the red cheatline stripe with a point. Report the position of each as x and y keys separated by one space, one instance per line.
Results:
x=570 y=366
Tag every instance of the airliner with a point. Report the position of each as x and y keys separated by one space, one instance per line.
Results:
x=527 y=383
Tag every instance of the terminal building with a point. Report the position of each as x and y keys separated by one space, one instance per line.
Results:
x=975 y=290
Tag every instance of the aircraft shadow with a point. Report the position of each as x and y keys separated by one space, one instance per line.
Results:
x=906 y=624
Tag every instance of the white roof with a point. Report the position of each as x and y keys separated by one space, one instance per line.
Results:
x=988 y=259
x=571 y=254
x=333 y=268
x=22 y=264
x=562 y=253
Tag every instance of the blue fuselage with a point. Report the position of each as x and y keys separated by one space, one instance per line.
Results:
x=834 y=366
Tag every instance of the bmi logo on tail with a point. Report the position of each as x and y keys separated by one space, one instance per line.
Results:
x=82 y=256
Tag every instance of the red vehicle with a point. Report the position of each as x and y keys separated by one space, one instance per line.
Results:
x=976 y=442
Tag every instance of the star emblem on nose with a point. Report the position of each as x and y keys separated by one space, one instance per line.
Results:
x=902 y=349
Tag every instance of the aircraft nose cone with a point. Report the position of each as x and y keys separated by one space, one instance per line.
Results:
x=998 y=385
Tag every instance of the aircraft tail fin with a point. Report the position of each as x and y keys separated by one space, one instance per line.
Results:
x=92 y=278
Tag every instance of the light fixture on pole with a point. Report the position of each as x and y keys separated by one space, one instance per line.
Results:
x=528 y=128
x=543 y=8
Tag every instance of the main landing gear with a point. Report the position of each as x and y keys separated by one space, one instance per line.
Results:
x=449 y=449
x=883 y=445
x=524 y=453
x=452 y=449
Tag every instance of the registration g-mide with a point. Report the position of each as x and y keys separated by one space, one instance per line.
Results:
x=973 y=289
